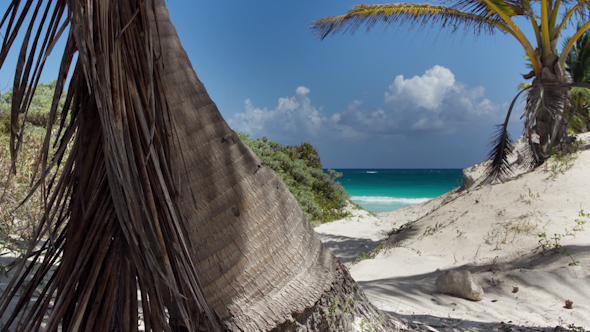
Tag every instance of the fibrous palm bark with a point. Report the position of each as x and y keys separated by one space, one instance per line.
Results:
x=158 y=195
x=261 y=264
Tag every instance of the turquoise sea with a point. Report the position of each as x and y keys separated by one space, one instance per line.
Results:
x=382 y=190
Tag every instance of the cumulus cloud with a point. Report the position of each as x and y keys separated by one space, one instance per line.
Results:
x=426 y=91
x=294 y=118
x=434 y=102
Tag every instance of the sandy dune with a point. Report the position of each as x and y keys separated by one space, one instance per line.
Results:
x=492 y=231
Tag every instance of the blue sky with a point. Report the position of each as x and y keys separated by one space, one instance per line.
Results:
x=393 y=99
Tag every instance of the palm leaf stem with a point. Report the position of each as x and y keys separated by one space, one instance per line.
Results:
x=546 y=46
x=567 y=48
x=566 y=18
x=517 y=34
x=537 y=30
x=554 y=19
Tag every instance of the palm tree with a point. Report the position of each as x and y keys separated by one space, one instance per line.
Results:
x=545 y=123
x=147 y=190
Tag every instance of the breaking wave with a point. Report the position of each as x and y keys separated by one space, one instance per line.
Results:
x=384 y=199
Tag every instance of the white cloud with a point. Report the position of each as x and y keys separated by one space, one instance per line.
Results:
x=294 y=117
x=427 y=91
x=433 y=102
x=436 y=101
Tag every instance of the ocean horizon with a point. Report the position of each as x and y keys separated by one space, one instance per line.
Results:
x=384 y=190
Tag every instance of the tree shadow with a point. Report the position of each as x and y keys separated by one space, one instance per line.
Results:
x=348 y=248
x=542 y=277
x=442 y=324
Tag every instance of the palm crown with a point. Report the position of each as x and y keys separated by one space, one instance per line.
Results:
x=546 y=96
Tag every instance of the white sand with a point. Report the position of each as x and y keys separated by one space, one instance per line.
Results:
x=491 y=231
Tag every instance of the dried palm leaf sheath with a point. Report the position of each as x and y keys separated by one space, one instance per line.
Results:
x=157 y=192
x=257 y=256
x=111 y=218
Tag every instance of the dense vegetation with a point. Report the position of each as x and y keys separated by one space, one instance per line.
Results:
x=299 y=167
x=17 y=222
x=578 y=68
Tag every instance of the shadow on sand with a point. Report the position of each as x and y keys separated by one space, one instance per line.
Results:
x=346 y=248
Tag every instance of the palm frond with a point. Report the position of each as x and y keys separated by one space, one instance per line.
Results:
x=499 y=167
x=509 y=7
x=415 y=15
x=578 y=60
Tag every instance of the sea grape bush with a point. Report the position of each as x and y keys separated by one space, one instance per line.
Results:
x=320 y=197
x=17 y=222
x=40 y=106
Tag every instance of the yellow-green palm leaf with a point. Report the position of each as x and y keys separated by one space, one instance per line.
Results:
x=509 y=8
x=420 y=15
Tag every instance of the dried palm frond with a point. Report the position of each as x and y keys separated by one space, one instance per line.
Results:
x=111 y=226
x=499 y=166
x=542 y=96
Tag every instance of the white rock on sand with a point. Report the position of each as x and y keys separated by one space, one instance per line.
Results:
x=492 y=231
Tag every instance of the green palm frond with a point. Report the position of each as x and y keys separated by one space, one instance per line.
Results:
x=578 y=59
x=579 y=93
x=578 y=67
x=578 y=112
x=509 y=7
x=578 y=123
x=421 y=15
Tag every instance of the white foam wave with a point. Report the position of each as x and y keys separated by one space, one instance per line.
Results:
x=384 y=199
x=371 y=172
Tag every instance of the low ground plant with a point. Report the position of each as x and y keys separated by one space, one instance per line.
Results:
x=567 y=327
x=337 y=311
x=372 y=324
x=561 y=160
x=553 y=244
x=368 y=255
x=432 y=229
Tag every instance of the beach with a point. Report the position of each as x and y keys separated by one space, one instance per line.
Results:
x=525 y=241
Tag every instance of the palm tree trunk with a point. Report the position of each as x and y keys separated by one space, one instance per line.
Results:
x=159 y=196
x=261 y=265
x=545 y=110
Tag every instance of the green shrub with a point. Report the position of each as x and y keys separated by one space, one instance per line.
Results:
x=19 y=222
x=320 y=197
x=38 y=111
